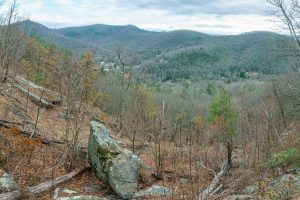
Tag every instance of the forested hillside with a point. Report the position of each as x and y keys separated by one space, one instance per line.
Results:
x=180 y=54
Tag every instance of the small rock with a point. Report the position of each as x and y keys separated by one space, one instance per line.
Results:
x=93 y=189
x=81 y=198
x=293 y=171
x=184 y=181
x=153 y=191
x=67 y=116
x=289 y=178
x=250 y=189
x=67 y=191
x=7 y=183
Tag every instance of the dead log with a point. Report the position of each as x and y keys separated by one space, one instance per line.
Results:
x=46 y=186
x=214 y=185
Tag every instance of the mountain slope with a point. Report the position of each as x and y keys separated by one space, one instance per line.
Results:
x=178 y=54
x=60 y=40
x=231 y=57
x=107 y=36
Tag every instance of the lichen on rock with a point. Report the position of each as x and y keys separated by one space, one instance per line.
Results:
x=114 y=165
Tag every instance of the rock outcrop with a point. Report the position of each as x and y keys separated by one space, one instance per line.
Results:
x=114 y=165
x=39 y=95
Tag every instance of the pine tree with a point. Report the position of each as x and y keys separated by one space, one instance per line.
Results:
x=224 y=116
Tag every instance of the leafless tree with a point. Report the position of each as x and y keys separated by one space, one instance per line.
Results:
x=11 y=38
x=288 y=11
x=78 y=88
x=124 y=62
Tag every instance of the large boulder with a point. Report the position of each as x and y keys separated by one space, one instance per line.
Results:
x=114 y=165
x=39 y=95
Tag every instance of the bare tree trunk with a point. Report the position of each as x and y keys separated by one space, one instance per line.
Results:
x=229 y=154
x=280 y=107
x=39 y=108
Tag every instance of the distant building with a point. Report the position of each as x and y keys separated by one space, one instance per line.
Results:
x=252 y=75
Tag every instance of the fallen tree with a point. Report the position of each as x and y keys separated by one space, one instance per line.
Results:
x=215 y=185
x=46 y=186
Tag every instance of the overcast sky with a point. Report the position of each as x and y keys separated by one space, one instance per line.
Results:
x=209 y=16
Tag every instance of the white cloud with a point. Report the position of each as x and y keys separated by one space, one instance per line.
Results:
x=64 y=2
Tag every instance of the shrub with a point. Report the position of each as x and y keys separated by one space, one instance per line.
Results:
x=284 y=158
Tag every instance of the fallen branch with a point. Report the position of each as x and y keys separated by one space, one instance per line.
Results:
x=214 y=185
x=46 y=186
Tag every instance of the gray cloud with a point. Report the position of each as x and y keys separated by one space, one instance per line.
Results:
x=191 y=7
x=208 y=16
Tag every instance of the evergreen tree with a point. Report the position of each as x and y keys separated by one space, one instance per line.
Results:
x=224 y=116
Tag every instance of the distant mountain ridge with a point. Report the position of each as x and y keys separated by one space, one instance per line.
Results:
x=177 y=54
